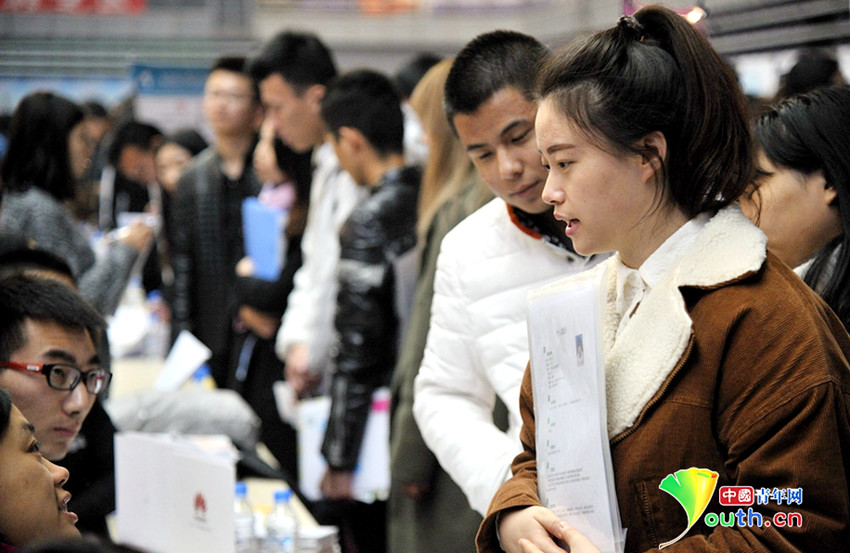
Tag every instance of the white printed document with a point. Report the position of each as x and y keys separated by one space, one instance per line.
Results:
x=186 y=356
x=574 y=472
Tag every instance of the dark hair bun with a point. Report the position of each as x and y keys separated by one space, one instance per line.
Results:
x=630 y=27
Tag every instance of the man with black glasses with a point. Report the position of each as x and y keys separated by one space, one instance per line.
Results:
x=90 y=455
x=48 y=358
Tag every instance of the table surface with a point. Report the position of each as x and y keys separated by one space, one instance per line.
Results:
x=135 y=374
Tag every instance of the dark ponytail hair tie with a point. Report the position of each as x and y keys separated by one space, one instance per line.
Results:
x=630 y=27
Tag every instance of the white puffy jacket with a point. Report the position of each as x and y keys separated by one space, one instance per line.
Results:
x=478 y=346
x=309 y=317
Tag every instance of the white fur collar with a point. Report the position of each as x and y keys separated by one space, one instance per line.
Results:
x=651 y=345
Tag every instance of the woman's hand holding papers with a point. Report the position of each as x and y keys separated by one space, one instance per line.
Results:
x=531 y=530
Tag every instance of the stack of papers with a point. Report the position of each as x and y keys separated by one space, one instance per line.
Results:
x=318 y=539
x=575 y=477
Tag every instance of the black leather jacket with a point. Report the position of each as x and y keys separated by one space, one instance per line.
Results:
x=377 y=232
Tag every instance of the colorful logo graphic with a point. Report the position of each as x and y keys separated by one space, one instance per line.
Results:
x=200 y=507
x=693 y=489
x=736 y=496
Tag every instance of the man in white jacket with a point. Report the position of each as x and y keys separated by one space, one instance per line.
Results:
x=477 y=344
x=293 y=71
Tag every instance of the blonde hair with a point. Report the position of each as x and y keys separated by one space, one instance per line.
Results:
x=448 y=166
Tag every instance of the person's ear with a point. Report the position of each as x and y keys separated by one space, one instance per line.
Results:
x=313 y=95
x=830 y=194
x=655 y=144
x=352 y=138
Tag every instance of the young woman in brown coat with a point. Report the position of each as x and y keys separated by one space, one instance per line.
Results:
x=716 y=355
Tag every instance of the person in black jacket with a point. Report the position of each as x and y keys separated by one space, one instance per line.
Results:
x=362 y=111
x=254 y=366
x=206 y=226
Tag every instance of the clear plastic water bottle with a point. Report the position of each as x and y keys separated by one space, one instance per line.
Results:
x=281 y=525
x=158 y=338
x=243 y=521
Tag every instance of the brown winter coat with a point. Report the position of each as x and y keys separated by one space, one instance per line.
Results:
x=733 y=364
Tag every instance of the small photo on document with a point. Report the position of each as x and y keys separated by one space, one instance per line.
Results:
x=579 y=350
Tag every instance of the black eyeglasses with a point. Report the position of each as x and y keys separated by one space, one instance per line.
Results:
x=65 y=377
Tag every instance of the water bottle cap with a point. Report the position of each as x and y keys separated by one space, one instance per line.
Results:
x=154 y=295
x=282 y=496
x=241 y=489
x=201 y=372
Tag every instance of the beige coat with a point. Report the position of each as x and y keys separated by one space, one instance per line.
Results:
x=731 y=363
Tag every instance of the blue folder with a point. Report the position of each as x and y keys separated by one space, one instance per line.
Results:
x=265 y=242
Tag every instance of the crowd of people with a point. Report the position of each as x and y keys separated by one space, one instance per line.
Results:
x=419 y=211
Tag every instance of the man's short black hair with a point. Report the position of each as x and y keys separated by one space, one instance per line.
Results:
x=815 y=68
x=367 y=101
x=489 y=63
x=95 y=109
x=236 y=64
x=301 y=59
x=22 y=259
x=41 y=299
x=131 y=133
x=187 y=138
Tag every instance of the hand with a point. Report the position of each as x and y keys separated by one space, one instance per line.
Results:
x=162 y=310
x=576 y=541
x=336 y=484
x=138 y=235
x=245 y=267
x=416 y=490
x=263 y=325
x=530 y=530
x=301 y=379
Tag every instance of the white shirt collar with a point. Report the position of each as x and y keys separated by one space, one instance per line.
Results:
x=633 y=284
x=801 y=270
